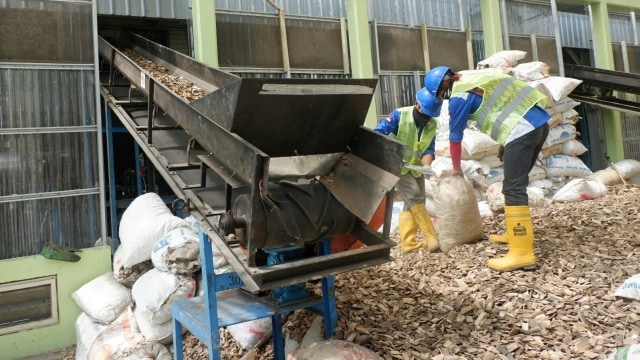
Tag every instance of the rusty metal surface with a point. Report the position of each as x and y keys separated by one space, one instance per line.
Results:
x=241 y=124
x=358 y=185
x=292 y=117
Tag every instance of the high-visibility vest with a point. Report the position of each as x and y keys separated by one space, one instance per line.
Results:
x=505 y=102
x=414 y=145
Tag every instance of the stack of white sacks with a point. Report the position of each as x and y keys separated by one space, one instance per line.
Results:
x=559 y=175
x=127 y=311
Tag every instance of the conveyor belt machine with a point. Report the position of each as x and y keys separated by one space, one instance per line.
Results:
x=278 y=162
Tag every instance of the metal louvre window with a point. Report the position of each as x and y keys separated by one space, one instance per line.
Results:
x=28 y=304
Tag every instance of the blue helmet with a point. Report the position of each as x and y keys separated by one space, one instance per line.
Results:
x=429 y=104
x=434 y=77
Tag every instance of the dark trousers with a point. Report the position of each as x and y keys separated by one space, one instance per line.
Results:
x=519 y=158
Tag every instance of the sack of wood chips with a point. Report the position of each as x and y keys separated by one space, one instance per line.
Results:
x=333 y=349
x=630 y=289
x=103 y=298
x=458 y=214
x=627 y=352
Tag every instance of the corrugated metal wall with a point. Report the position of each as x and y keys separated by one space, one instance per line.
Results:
x=526 y=18
x=575 y=30
x=523 y=18
x=165 y=9
x=326 y=8
x=621 y=27
x=49 y=128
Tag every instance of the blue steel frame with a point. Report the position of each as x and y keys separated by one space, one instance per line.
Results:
x=224 y=303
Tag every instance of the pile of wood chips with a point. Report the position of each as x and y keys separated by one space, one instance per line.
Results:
x=452 y=306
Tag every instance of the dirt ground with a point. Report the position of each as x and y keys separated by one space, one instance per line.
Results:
x=452 y=306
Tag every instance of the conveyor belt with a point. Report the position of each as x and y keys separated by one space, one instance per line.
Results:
x=598 y=87
x=286 y=117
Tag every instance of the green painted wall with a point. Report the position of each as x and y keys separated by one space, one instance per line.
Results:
x=70 y=277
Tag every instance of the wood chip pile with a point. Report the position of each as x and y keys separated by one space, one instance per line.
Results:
x=184 y=88
x=452 y=306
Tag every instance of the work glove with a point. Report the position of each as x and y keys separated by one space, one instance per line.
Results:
x=58 y=252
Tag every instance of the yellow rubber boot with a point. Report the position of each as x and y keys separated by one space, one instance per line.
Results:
x=520 y=234
x=408 y=228
x=423 y=219
x=499 y=238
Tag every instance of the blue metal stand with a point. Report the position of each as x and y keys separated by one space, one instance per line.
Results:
x=224 y=303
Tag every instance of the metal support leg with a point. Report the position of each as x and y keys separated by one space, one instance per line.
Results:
x=177 y=340
x=277 y=337
x=329 y=307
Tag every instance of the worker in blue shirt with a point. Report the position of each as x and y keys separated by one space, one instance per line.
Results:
x=512 y=113
x=415 y=126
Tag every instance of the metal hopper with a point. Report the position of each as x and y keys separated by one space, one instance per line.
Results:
x=284 y=162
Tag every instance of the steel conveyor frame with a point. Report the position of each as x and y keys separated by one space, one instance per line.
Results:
x=598 y=86
x=236 y=161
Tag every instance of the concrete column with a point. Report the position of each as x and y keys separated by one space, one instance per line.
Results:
x=205 y=40
x=604 y=60
x=491 y=26
x=360 y=48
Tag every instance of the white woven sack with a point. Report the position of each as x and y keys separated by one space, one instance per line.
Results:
x=634 y=180
x=501 y=59
x=458 y=215
x=155 y=290
x=495 y=175
x=529 y=71
x=253 y=333
x=87 y=329
x=627 y=352
x=491 y=161
x=570 y=116
x=495 y=198
x=560 y=134
x=559 y=86
x=478 y=144
x=333 y=350
x=473 y=169
x=543 y=184
x=606 y=176
x=145 y=221
x=562 y=105
x=177 y=252
x=565 y=165
x=630 y=289
x=443 y=149
x=103 y=298
x=154 y=332
x=123 y=333
x=628 y=167
x=537 y=173
x=580 y=190
x=555 y=119
x=551 y=103
x=551 y=150
x=573 y=147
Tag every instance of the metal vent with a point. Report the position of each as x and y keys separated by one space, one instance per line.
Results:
x=28 y=304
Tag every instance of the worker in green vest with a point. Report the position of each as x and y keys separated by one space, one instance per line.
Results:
x=416 y=127
x=512 y=113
